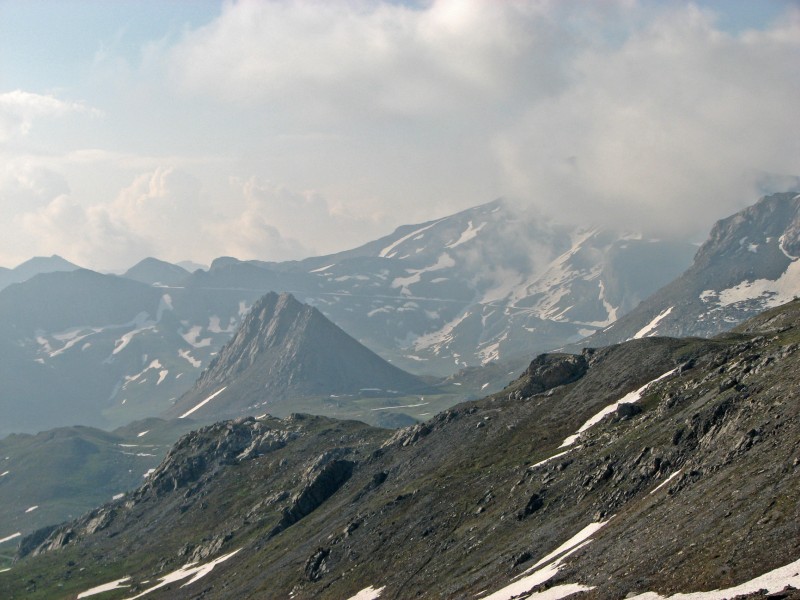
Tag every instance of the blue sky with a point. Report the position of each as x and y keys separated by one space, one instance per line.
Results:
x=276 y=130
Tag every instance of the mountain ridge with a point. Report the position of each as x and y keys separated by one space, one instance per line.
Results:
x=641 y=470
x=285 y=351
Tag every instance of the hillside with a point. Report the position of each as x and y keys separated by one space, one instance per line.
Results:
x=641 y=470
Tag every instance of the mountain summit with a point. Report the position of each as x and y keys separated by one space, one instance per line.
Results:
x=284 y=351
x=748 y=263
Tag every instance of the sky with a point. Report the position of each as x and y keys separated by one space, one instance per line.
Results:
x=276 y=130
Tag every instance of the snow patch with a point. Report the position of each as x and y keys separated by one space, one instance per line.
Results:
x=470 y=233
x=445 y=261
x=770 y=293
x=215 y=325
x=628 y=398
x=106 y=587
x=161 y=376
x=143 y=433
x=192 y=570
x=118 y=496
x=652 y=324
x=11 y=537
x=369 y=593
x=388 y=252
x=191 y=337
x=165 y=303
x=204 y=402
x=192 y=361
x=141 y=324
x=32 y=508
x=773 y=581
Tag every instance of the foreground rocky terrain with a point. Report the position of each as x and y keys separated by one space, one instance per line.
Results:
x=644 y=469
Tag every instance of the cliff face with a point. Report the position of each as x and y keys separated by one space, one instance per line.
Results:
x=654 y=466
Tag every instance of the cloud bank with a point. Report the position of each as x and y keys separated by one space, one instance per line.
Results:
x=286 y=128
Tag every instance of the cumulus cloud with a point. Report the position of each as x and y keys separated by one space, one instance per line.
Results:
x=19 y=110
x=671 y=130
x=294 y=127
x=642 y=114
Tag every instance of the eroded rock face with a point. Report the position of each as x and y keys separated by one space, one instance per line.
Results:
x=322 y=479
x=548 y=371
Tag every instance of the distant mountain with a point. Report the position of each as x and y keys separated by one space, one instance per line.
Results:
x=285 y=352
x=749 y=263
x=487 y=284
x=481 y=285
x=34 y=266
x=657 y=468
x=61 y=473
x=156 y=272
x=85 y=348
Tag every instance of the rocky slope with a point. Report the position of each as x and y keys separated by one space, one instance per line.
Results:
x=749 y=263
x=638 y=470
x=284 y=353
x=61 y=473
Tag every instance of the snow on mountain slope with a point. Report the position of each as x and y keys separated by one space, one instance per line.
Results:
x=484 y=284
x=750 y=262
x=478 y=286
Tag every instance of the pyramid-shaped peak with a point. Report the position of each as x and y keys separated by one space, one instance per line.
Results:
x=283 y=351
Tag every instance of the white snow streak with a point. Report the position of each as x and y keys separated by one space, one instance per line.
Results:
x=204 y=402
x=774 y=581
x=32 y=508
x=538 y=574
x=385 y=252
x=189 y=570
x=143 y=433
x=628 y=398
x=403 y=406
x=547 y=460
x=666 y=481
x=652 y=324
x=106 y=587
x=321 y=269
x=11 y=537
x=470 y=233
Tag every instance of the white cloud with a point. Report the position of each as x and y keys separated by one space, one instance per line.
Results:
x=19 y=110
x=673 y=129
x=283 y=128
x=334 y=60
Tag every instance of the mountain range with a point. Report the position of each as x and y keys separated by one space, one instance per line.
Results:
x=749 y=263
x=485 y=285
x=650 y=469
